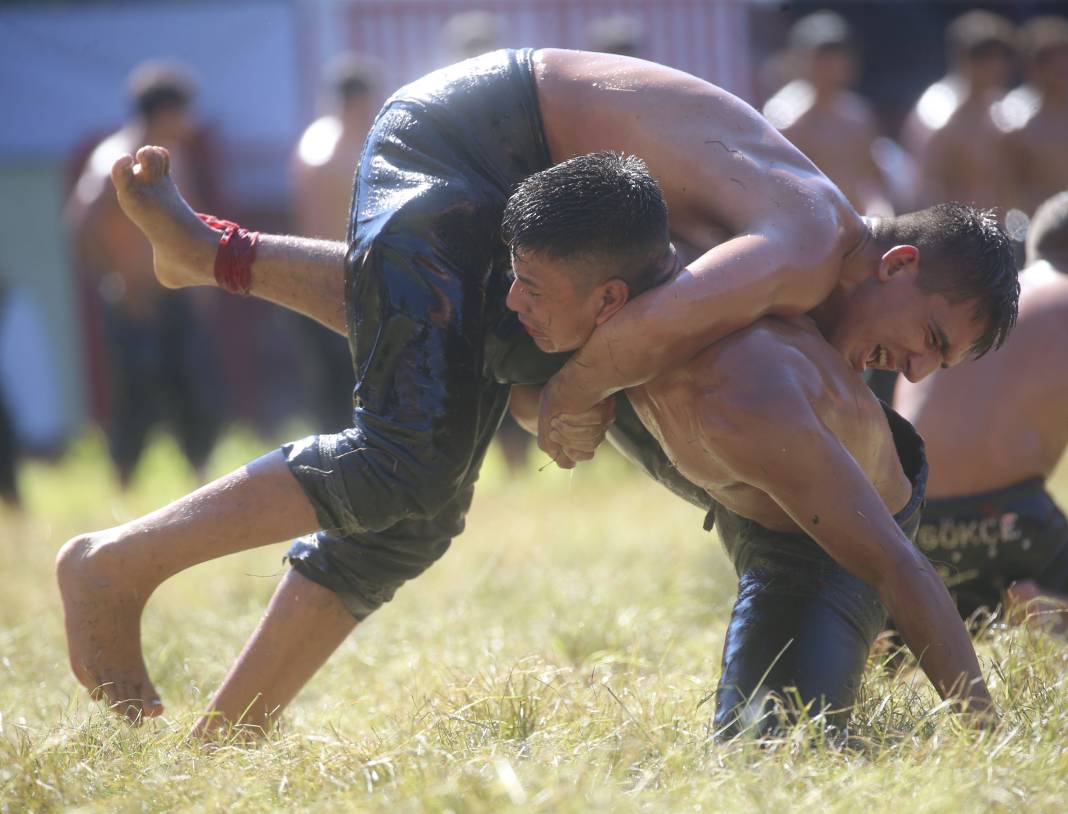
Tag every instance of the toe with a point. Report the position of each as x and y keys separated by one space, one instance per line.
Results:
x=122 y=170
x=154 y=162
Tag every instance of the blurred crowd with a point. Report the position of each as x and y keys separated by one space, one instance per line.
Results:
x=992 y=131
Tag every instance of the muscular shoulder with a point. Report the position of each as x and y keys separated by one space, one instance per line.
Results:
x=776 y=382
x=768 y=369
x=718 y=160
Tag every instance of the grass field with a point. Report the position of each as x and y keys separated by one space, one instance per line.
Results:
x=560 y=659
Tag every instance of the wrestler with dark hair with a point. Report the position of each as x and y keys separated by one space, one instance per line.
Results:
x=425 y=291
x=995 y=431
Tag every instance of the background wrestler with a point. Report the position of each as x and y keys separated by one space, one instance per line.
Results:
x=1036 y=117
x=995 y=431
x=723 y=168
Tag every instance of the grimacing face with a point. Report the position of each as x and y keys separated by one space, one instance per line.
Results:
x=891 y=323
x=553 y=303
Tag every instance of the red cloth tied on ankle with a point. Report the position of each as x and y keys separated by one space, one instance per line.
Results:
x=235 y=255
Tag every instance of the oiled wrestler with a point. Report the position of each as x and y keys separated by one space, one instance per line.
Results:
x=817 y=487
x=995 y=431
x=420 y=290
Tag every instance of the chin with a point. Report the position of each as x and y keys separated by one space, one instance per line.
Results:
x=544 y=344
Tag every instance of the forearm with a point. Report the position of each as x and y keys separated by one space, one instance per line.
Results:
x=826 y=493
x=725 y=289
x=929 y=623
x=523 y=404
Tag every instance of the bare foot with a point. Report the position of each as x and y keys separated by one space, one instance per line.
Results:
x=102 y=612
x=183 y=246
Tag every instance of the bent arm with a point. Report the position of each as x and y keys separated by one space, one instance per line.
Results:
x=814 y=479
x=727 y=288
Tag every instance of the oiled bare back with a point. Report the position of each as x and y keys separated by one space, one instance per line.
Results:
x=722 y=166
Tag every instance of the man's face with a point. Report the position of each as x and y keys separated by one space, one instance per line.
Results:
x=833 y=67
x=555 y=305
x=892 y=324
x=991 y=66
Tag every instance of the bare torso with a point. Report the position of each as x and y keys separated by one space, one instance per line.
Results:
x=962 y=159
x=324 y=164
x=837 y=134
x=1038 y=153
x=722 y=167
x=1000 y=419
x=111 y=248
x=778 y=351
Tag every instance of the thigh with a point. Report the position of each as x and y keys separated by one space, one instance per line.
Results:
x=426 y=247
x=366 y=569
x=798 y=635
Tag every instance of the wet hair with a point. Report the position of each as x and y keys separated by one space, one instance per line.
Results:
x=351 y=76
x=602 y=209
x=157 y=86
x=1043 y=35
x=965 y=256
x=979 y=33
x=1047 y=236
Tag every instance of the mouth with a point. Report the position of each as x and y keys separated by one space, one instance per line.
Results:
x=879 y=358
x=530 y=329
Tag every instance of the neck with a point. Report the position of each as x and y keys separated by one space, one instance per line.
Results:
x=353 y=118
x=859 y=265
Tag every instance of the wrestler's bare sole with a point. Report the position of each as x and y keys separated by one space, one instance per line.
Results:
x=183 y=246
x=106 y=577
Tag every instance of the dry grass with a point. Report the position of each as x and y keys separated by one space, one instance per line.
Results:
x=555 y=660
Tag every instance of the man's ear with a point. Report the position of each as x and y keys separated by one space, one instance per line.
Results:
x=614 y=295
x=897 y=259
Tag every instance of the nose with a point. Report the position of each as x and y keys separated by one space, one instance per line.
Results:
x=920 y=365
x=514 y=300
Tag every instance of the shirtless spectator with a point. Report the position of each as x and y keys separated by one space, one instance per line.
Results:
x=995 y=430
x=1036 y=117
x=951 y=131
x=470 y=33
x=159 y=367
x=824 y=118
x=323 y=167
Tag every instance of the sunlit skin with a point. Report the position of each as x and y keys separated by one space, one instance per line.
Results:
x=891 y=323
x=105 y=241
x=1001 y=420
x=887 y=322
x=833 y=126
x=723 y=169
x=558 y=303
x=956 y=143
x=1036 y=148
x=805 y=438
